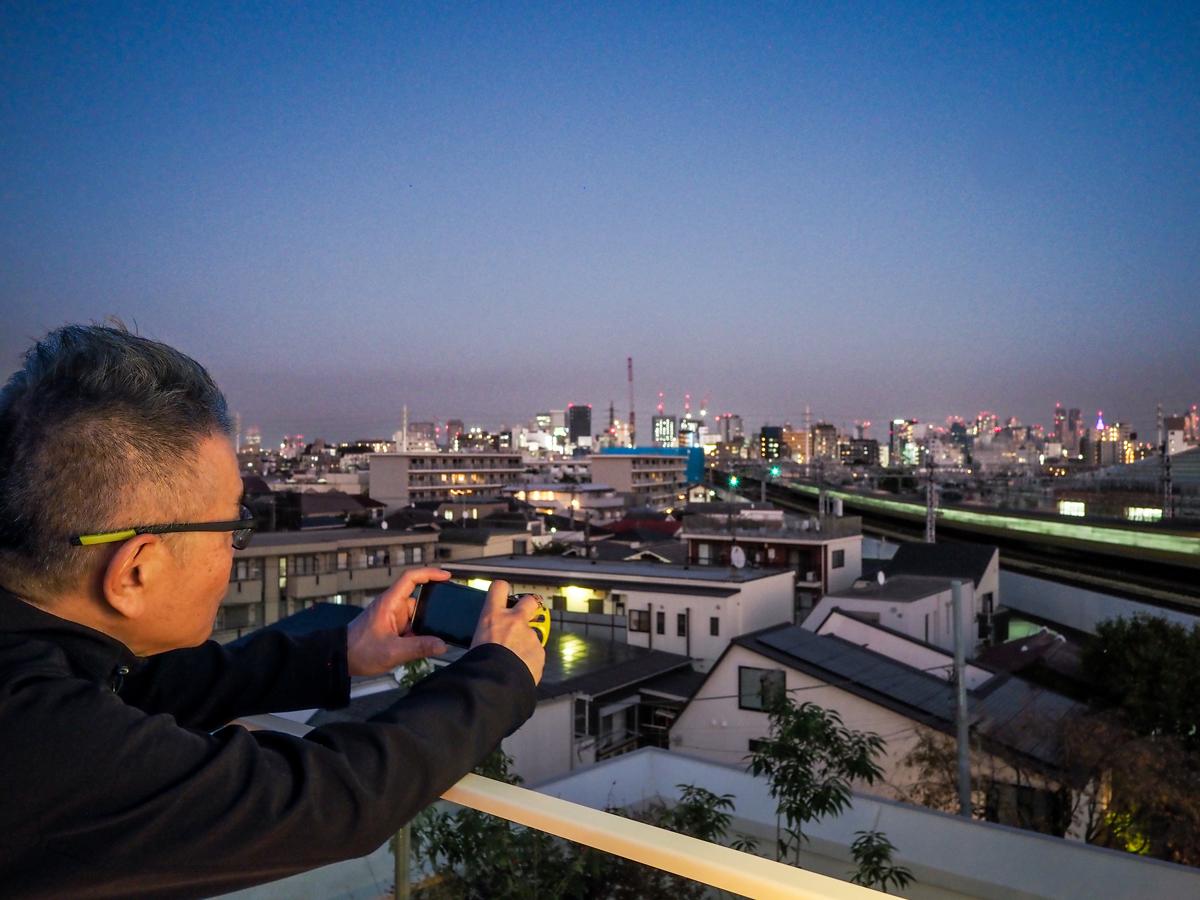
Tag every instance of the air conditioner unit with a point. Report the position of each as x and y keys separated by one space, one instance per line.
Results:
x=810 y=576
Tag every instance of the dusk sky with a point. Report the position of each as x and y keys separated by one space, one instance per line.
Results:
x=879 y=210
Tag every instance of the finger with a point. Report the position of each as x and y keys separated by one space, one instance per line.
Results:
x=421 y=646
x=397 y=600
x=497 y=597
x=528 y=606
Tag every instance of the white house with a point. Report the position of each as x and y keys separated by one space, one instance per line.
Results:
x=689 y=610
x=915 y=605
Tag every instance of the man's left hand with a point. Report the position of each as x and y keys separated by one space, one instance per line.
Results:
x=380 y=638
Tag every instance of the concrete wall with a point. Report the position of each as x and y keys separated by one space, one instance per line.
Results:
x=841 y=579
x=542 y=747
x=389 y=479
x=1075 y=607
x=952 y=858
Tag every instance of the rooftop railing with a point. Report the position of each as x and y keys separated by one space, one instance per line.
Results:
x=712 y=864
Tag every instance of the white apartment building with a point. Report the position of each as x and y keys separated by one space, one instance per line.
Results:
x=593 y=502
x=282 y=572
x=398 y=479
x=659 y=482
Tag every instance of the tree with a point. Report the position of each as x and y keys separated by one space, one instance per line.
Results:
x=811 y=761
x=872 y=851
x=1148 y=669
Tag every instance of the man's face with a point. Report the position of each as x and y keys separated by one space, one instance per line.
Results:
x=186 y=595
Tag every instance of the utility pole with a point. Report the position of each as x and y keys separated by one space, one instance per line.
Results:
x=820 y=488
x=403 y=856
x=930 y=498
x=1168 y=490
x=960 y=685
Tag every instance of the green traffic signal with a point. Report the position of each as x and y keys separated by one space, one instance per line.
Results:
x=733 y=481
x=774 y=471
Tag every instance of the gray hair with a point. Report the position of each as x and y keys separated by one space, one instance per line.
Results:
x=96 y=426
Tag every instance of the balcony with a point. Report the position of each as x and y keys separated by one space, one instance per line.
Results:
x=717 y=866
x=951 y=857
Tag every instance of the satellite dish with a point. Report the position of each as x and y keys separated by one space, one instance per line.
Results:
x=881 y=578
x=737 y=556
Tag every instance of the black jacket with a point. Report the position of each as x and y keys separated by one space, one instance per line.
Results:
x=117 y=779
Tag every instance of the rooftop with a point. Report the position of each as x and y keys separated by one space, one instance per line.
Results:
x=999 y=706
x=574 y=568
x=897 y=589
x=942 y=560
x=320 y=541
x=791 y=528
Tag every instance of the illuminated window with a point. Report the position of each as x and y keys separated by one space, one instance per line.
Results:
x=1143 y=514
x=1072 y=508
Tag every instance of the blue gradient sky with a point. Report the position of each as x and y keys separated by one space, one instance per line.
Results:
x=481 y=210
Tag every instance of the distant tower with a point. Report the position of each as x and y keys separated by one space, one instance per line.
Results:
x=1160 y=425
x=237 y=432
x=404 y=431
x=632 y=437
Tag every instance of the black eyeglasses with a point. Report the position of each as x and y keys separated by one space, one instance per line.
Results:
x=243 y=530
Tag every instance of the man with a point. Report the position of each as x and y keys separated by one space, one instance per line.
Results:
x=119 y=777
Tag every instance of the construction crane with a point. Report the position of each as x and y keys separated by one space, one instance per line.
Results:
x=704 y=406
x=632 y=439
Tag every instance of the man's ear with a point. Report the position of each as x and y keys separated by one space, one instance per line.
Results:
x=126 y=580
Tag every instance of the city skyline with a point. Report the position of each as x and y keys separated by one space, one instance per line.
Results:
x=874 y=211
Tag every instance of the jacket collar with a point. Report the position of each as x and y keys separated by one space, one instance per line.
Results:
x=92 y=653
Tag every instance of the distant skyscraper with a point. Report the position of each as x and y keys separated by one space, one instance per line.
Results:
x=454 y=430
x=729 y=428
x=770 y=442
x=825 y=442
x=1060 y=423
x=666 y=433
x=579 y=425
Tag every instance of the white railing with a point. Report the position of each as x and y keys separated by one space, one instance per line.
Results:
x=712 y=864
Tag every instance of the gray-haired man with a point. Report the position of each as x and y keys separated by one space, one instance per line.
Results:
x=120 y=508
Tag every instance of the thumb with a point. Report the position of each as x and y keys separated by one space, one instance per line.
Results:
x=425 y=645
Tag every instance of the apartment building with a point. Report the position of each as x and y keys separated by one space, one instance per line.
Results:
x=282 y=572
x=825 y=554
x=399 y=479
x=687 y=610
x=653 y=480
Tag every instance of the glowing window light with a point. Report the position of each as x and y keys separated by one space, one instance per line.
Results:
x=479 y=583
x=1072 y=508
x=577 y=598
x=1143 y=514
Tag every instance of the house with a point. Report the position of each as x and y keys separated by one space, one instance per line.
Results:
x=469 y=543
x=689 y=610
x=892 y=686
x=916 y=605
x=978 y=562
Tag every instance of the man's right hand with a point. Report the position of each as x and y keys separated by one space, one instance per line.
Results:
x=510 y=627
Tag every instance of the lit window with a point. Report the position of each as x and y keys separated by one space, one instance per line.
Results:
x=1143 y=514
x=1072 y=508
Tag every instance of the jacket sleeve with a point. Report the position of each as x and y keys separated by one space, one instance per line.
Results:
x=207 y=686
x=138 y=807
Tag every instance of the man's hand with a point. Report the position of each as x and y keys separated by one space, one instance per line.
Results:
x=380 y=638
x=510 y=627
